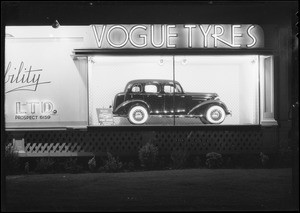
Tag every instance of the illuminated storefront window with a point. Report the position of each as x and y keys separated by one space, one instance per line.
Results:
x=235 y=79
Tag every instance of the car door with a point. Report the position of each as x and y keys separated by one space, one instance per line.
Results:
x=135 y=92
x=168 y=93
x=154 y=98
x=175 y=99
x=180 y=101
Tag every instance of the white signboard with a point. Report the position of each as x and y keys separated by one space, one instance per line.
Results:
x=44 y=86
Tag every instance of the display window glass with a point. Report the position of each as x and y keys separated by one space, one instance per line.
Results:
x=111 y=86
x=233 y=78
x=180 y=90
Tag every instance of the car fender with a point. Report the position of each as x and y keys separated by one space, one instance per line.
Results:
x=198 y=108
x=127 y=104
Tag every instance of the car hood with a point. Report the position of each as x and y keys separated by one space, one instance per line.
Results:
x=201 y=96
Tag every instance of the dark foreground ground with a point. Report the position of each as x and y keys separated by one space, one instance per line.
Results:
x=173 y=190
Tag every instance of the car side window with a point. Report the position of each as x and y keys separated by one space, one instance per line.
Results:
x=168 y=89
x=136 y=88
x=151 y=88
x=178 y=89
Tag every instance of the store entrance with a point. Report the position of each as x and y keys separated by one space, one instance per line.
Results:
x=232 y=80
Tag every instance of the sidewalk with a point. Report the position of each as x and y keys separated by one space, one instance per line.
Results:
x=173 y=190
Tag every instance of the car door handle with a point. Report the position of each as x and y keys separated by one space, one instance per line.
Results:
x=159 y=96
x=183 y=96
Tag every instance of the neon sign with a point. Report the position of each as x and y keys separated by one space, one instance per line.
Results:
x=178 y=36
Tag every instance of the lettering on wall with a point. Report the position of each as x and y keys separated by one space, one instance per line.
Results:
x=22 y=78
x=34 y=110
x=178 y=36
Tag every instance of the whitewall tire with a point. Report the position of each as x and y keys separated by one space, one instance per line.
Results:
x=138 y=115
x=215 y=115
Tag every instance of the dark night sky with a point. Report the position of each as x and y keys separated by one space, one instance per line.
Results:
x=90 y=12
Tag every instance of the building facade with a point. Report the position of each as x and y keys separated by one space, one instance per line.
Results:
x=66 y=65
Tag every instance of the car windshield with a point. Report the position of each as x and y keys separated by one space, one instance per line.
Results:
x=178 y=88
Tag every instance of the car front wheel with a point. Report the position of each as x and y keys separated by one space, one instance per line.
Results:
x=215 y=115
x=138 y=115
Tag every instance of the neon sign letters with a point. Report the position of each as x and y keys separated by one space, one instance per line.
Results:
x=178 y=36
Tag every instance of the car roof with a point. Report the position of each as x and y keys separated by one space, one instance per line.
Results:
x=163 y=81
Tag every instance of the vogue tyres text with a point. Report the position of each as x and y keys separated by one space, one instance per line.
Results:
x=178 y=36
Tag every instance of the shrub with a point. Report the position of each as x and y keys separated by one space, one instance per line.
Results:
x=214 y=160
x=112 y=164
x=163 y=162
x=179 y=158
x=148 y=155
x=242 y=160
x=11 y=160
x=92 y=164
x=250 y=161
x=44 y=165
x=285 y=157
x=265 y=160
x=59 y=165
x=129 y=166
x=26 y=167
x=198 y=162
x=72 y=166
x=228 y=162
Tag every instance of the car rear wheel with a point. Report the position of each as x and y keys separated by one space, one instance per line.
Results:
x=215 y=115
x=138 y=115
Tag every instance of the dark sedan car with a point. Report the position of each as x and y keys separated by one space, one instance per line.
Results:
x=150 y=97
